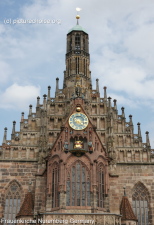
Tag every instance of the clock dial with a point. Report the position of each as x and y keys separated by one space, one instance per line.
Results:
x=78 y=121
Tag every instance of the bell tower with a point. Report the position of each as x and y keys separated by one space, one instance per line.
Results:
x=77 y=72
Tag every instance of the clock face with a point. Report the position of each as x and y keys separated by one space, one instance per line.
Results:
x=78 y=121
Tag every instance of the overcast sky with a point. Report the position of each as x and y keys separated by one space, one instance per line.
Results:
x=32 y=55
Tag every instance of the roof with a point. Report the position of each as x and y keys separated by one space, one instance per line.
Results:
x=27 y=207
x=77 y=28
x=126 y=210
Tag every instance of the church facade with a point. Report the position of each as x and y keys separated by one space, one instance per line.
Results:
x=76 y=160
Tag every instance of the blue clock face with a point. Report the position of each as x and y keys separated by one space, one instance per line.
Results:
x=78 y=121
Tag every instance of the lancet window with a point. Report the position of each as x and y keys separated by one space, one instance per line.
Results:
x=141 y=203
x=100 y=179
x=55 y=183
x=78 y=186
x=12 y=201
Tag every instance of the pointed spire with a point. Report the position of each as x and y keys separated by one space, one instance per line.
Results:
x=139 y=131
x=38 y=101
x=97 y=85
x=30 y=110
x=147 y=138
x=126 y=210
x=27 y=207
x=5 y=135
x=49 y=88
x=13 y=130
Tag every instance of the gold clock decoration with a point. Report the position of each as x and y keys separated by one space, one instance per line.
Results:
x=78 y=121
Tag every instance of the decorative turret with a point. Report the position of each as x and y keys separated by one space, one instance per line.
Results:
x=131 y=123
x=123 y=112
x=97 y=85
x=13 y=130
x=139 y=131
x=115 y=104
x=147 y=138
x=109 y=98
x=5 y=135
x=49 y=88
x=105 y=94
x=38 y=101
x=22 y=116
x=44 y=101
x=57 y=84
x=30 y=110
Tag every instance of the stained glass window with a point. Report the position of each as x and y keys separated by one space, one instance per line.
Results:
x=78 y=186
x=141 y=204
x=12 y=202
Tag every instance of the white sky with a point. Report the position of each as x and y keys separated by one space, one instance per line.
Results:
x=121 y=35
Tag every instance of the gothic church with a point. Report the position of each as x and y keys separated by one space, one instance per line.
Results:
x=76 y=160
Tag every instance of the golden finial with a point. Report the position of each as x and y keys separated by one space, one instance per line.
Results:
x=78 y=109
x=78 y=16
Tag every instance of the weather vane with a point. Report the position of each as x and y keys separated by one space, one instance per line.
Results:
x=78 y=16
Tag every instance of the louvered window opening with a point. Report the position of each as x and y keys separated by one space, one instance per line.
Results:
x=77 y=41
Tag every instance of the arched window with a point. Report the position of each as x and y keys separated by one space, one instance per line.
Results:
x=100 y=179
x=12 y=201
x=55 y=182
x=141 y=203
x=78 y=186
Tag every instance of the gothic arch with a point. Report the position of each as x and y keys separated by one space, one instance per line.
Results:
x=12 y=199
x=10 y=182
x=84 y=159
x=140 y=184
x=103 y=159
x=55 y=158
x=141 y=203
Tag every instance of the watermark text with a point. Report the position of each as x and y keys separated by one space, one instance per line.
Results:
x=32 y=21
